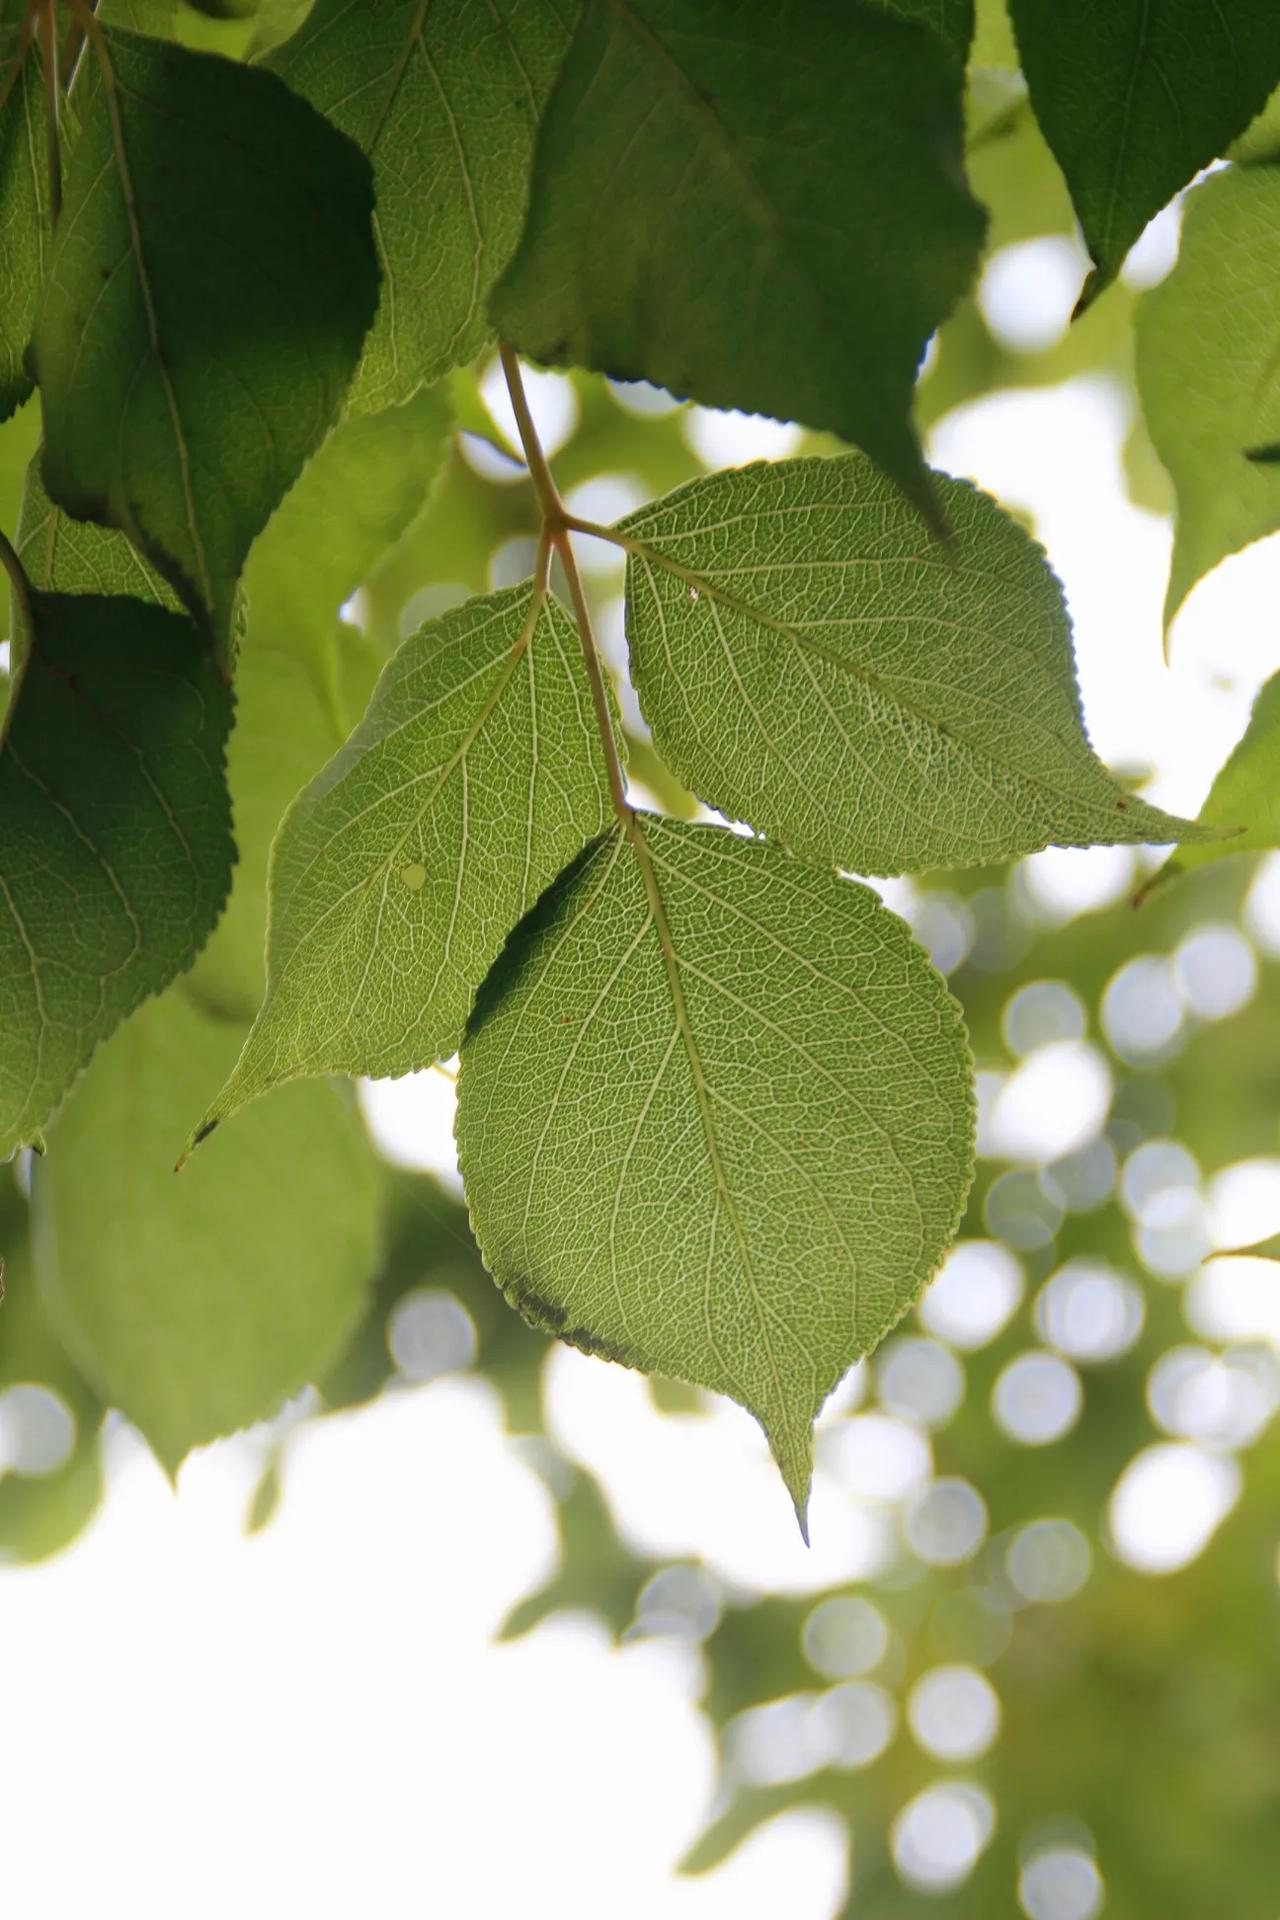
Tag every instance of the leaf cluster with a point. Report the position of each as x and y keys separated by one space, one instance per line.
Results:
x=715 y=1103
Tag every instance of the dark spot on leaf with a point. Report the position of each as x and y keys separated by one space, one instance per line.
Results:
x=203 y=1132
x=594 y=1343
x=540 y=1313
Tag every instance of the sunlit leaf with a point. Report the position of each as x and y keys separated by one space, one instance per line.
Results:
x=399 y=872
x=188 y=364
x=811 y=662
x=742 y=1137
x=1245 y=796
x=760 y=207
x=444 y=96
x=1208 y=339
x=1135 y=98
x=200 y=1302
x=303 y=675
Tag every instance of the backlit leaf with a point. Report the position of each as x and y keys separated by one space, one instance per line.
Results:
x=1208 y=350
x=200 y=1302
x=715 y=1120
x=211 y=283
x=115 y=833
x=444 y=97
x=1245 y=797
x=810 y=661
x=761 y=207
x=397 y=875
x=1135 y=97
x=303 y=676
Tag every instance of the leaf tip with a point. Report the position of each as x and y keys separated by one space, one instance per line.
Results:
x=197 y=1139
x=1097 y=280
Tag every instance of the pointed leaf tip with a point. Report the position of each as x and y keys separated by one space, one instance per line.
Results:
x=650 y=998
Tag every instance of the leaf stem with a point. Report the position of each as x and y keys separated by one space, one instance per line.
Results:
x=556 y=523
x=549 y=501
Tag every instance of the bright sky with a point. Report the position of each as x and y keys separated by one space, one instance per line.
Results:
x=314 y=1720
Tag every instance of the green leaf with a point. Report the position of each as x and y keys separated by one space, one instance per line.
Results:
x=951 y=20
x=24 y=210
x=115 y=834
x=444 y=96
x=715 y=1120
x=1135 y=98
x=41 y=1512
x=211 y=283
x=1268 y=1249
x=355 y=498
x=398 y=874
x=762 y=207
x=299 y=664
x=1208 y=345
x=811 y=662
x=199 y=1303
x=1245 y=796
x=63 y=555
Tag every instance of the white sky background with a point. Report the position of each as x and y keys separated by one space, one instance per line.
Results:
x=194 y=1723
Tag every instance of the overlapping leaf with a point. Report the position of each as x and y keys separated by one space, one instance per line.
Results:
x=199 y=1303
x=1135 y=98
x=115 y=833
x=303 y=677
x=24 y=210
x=812 y=663
x=951 y=20
x=1245 y=797
x=762 y=207
x=398 y=873
x=1208 y=350
x=210 y=286
x=715 y=1119
x=444 y=96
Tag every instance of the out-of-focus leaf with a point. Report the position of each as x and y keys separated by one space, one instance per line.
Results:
x=42 y=1506
x=303 y=676
x=1245 y=796
x=199 y=1303
x=1208 y=338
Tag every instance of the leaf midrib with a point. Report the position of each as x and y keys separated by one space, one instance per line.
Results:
x=642 y=550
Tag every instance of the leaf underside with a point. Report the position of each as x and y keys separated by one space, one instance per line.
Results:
x=811 y=661
x=715 y=1119
x=471 y=782
x=444 y=98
